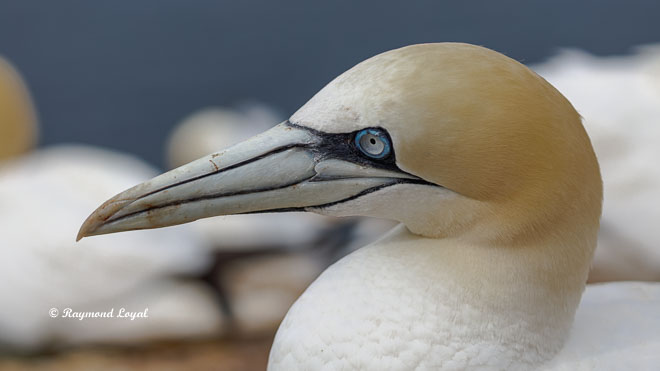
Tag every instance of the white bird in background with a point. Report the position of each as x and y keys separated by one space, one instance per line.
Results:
x=498 y=190
x=208 y=129
x=263 y=263
x=619 y=99
x=43 y=195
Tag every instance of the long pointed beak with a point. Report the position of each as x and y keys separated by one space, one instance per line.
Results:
x=287 y=168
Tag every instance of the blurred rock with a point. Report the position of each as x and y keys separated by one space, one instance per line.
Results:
x=262 y=288
x=235 y=355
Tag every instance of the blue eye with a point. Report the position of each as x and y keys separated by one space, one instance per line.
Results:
x=373 y=143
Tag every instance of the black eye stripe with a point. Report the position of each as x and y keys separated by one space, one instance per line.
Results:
x=342 y=146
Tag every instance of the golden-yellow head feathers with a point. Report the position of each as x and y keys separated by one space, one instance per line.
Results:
x=476 y=122
x=18 y=123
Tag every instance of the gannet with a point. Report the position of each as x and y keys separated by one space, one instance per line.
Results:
x=485 y=165
x=619 y=100
x=18 y=120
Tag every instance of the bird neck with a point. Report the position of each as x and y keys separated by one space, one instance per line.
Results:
x=520 y=300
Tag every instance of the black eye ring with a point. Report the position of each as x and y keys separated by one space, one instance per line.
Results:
x=373 y=143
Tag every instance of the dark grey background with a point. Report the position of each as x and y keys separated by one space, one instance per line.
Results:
x=121 y=73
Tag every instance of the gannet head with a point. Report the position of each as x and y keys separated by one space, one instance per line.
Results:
x=452 y=140
x=18 y=121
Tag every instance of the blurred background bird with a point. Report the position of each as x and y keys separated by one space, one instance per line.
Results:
x=18 y=120
x=43 y=193
x=170 y=85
